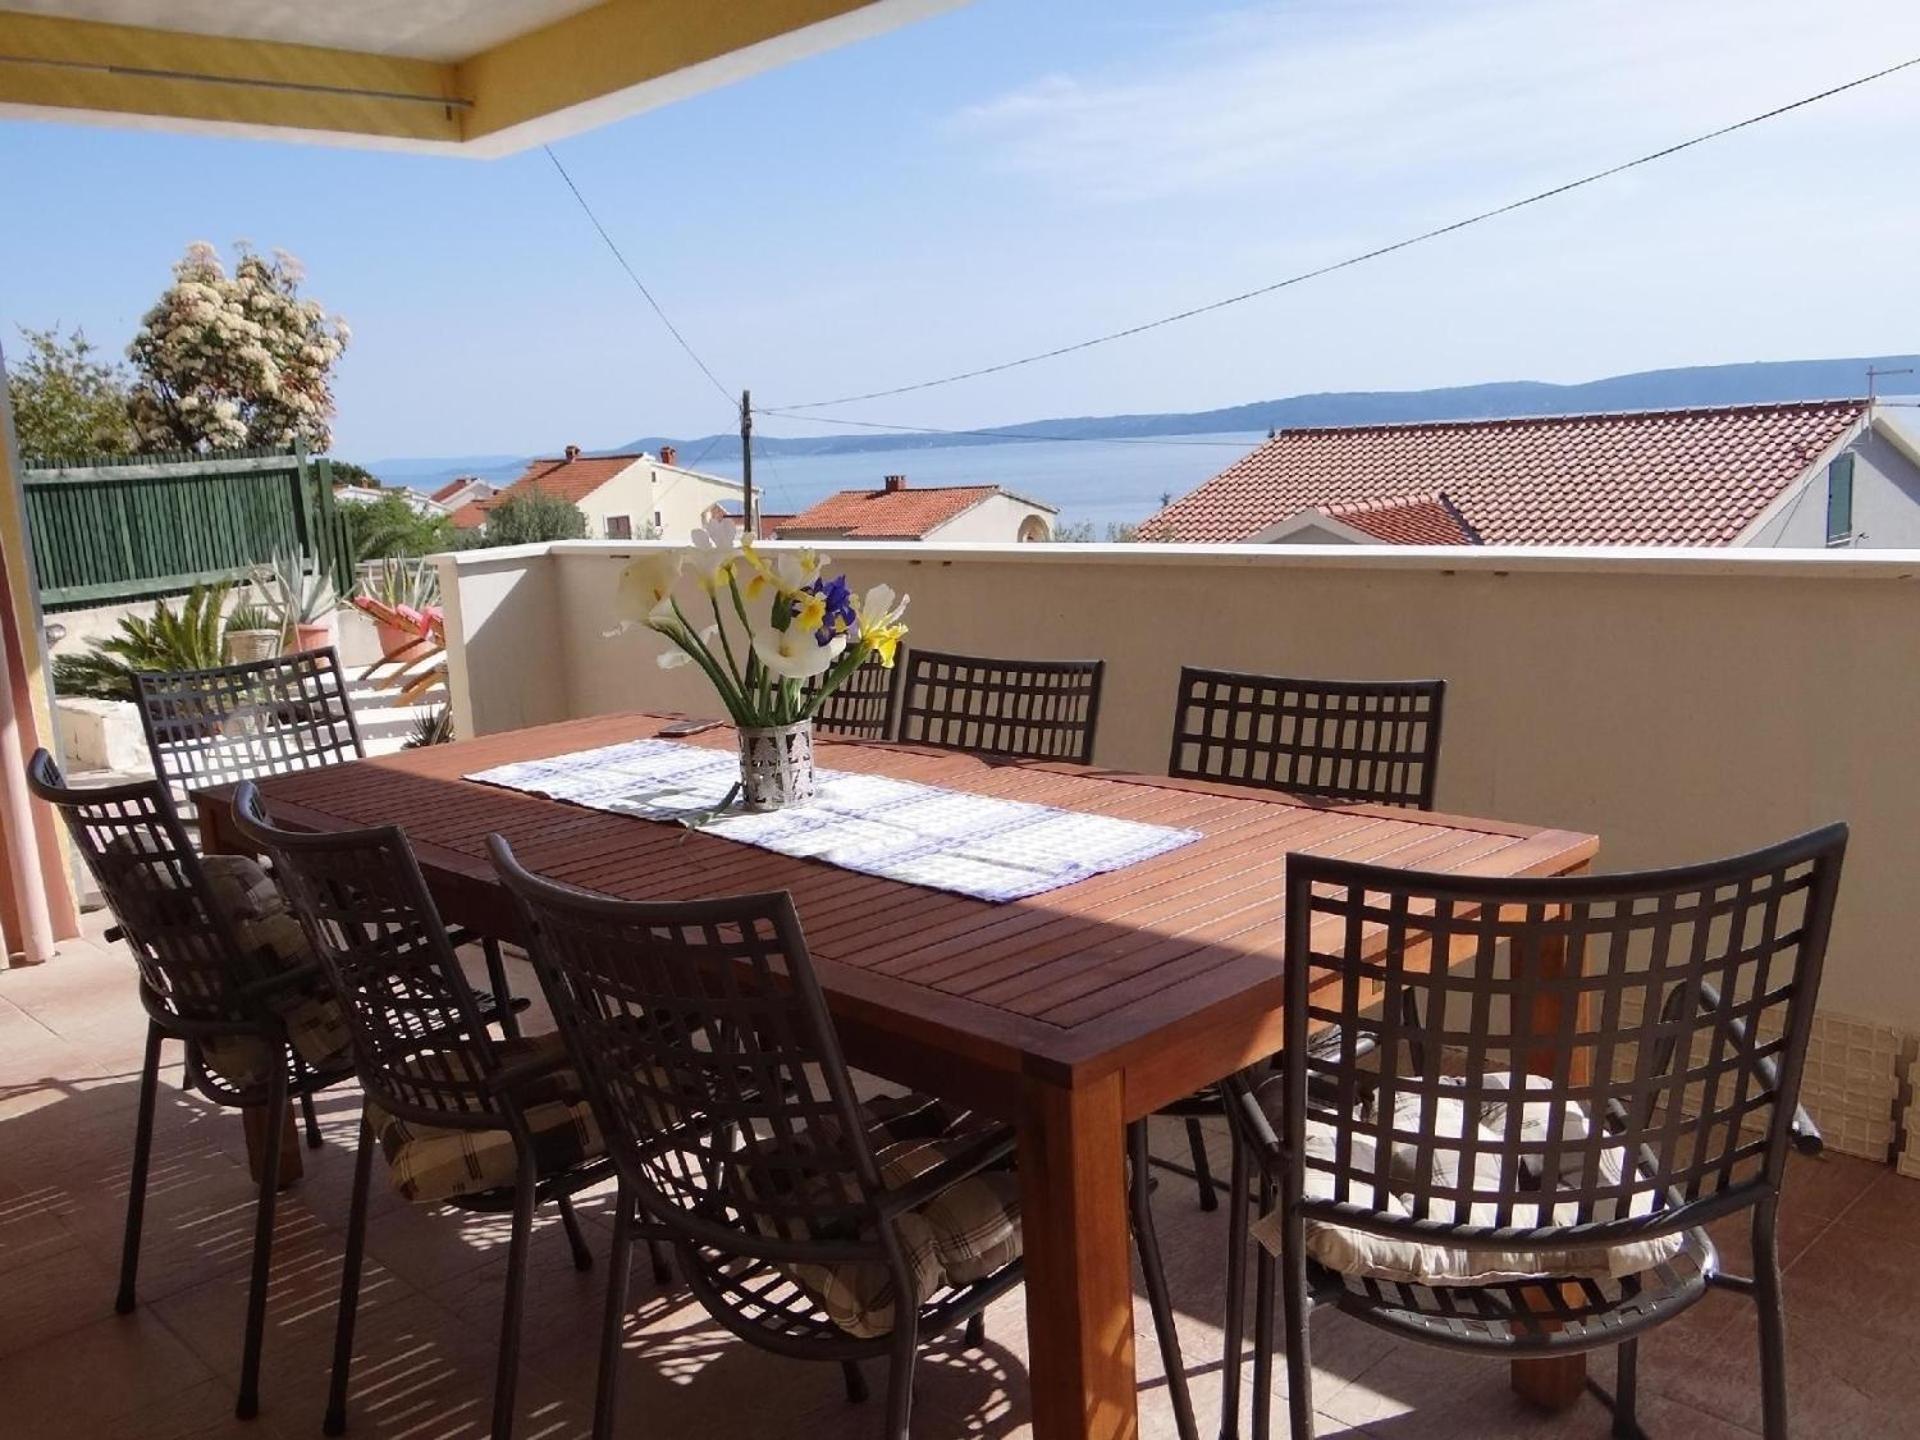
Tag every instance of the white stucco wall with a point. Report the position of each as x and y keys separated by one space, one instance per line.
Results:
x=996 y=519
x=1886 y=503
x=1680 y=704
x=683 y=497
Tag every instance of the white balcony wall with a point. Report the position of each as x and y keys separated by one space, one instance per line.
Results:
x=1679 y=704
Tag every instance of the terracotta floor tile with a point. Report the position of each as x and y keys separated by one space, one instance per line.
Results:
x=1889 y=1207
x=51 y=1296
x=1851 y=1338
x=83 y=1382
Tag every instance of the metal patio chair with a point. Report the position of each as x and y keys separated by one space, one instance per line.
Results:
x=1372 y=741
x=260 y=718
x=462 y=1118
x=224 y=970
x=867 y=706
x=1029 y=709
x=1652 y=1028
x=1366 y=741
x=800 y=1217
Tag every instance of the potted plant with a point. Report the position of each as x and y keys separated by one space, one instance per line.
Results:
x=396 y=594
x=253 y=633
x=303 y=599
x=801 y=635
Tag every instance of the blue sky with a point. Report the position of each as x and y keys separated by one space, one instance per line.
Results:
x=1010 y=176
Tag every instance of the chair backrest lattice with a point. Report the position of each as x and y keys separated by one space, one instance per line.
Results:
x=866 y=706
x=1349 y=740
x=247 y=721
x=1656 y=1025
x=420 y=1039
x=704 y=1041
x=140 y=855
x=1030 y=709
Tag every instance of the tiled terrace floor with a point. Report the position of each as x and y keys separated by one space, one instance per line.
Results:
x=70 y=1043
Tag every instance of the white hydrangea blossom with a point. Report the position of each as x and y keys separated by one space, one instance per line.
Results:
x=241 y=360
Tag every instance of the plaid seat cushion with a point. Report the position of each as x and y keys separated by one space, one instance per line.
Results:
x=964 y=1234
x=249 y=901
x=431 y=1164
x=1362 y=1255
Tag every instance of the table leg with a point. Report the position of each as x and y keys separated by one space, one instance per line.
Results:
x=1079 y=1287
x=1558 y=1382
x=217 y=837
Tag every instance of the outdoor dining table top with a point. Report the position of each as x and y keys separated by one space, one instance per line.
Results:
x=1068 y=984
x=1069 y=1014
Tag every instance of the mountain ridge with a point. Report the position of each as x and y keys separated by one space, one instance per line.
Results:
x=1751 y=382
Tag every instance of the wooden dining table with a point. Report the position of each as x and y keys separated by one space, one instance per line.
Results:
x=1067 y=1014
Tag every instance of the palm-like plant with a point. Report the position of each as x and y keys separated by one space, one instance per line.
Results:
x=190 y=638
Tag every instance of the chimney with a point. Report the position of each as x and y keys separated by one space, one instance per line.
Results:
x=896 y=483
x=573 y=453
x=667 y=452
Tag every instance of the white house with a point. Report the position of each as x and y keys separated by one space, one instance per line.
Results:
x=624 y=497
x=897 y=511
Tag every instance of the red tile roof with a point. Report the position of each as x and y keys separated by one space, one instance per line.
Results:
x=904 y=514
x=1657 y=477
x=1409 y=520
x=572 y=480
x=454 y=486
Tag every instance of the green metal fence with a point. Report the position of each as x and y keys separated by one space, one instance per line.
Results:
x=123 y=530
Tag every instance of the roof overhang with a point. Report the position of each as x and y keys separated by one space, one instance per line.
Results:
x=478 y=77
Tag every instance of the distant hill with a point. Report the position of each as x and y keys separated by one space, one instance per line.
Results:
x=1754 y=383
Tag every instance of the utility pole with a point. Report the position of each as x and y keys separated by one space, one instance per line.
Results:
x=746 y=464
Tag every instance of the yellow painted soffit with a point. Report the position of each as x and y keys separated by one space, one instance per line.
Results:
x=85 y=71
x=625 y=56
x=616 y=59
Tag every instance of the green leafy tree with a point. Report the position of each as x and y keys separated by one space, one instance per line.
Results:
x=534 y=518
x=388 y=527
x=345 y=472
x=230 y=360
x=68 y=404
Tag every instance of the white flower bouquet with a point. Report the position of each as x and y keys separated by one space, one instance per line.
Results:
x=801 y=635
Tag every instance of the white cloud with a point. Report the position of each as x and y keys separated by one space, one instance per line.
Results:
x=1396 y=91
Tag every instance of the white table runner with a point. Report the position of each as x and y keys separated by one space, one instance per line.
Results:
x=975 y=845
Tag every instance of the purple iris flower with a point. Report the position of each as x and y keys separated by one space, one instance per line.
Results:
x=839 y=603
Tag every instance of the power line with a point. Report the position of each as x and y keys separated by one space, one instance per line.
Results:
x=1360 y=259
x=638 y=283
x=1002 y=434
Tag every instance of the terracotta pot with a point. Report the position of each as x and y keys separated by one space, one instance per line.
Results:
x=312 y=637
x=244 y=645
x=395 y=639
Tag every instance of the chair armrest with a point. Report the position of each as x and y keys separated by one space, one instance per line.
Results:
x=1806 y=1135
x=281 y=981
x=992 y=1146
x=522 y=1073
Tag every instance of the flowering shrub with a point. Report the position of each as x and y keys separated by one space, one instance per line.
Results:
x=227 y=361
x=804 y=633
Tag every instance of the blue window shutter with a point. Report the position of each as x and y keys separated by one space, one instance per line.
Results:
x=1840 y=500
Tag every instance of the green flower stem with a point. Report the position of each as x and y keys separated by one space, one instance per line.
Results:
x=726 y=644
x=850 y=660
x=698 y=649
x=683 y=636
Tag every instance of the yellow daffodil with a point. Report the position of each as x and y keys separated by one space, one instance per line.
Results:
x=880 y=626
x=645 y=582
x=793 y=653
x=716 y=545
x=811 y=613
